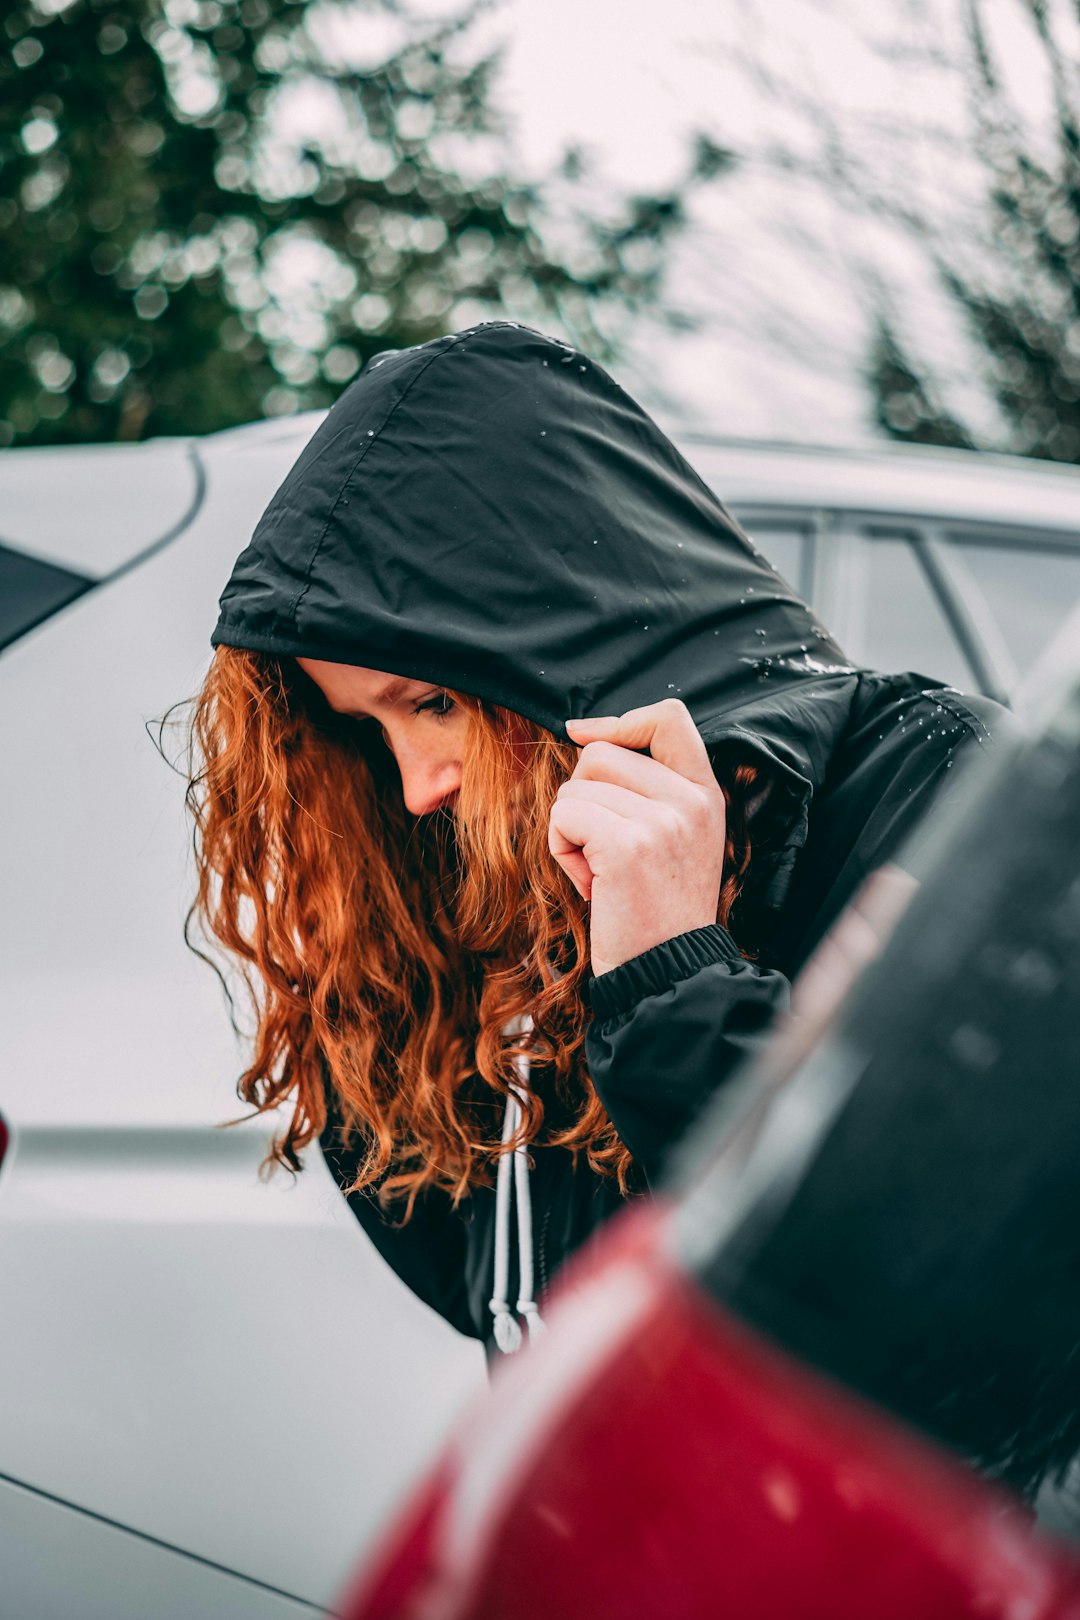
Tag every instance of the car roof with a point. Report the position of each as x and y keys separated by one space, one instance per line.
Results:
x=919 y=480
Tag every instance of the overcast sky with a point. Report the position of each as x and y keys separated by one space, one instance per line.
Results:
x=771 y=267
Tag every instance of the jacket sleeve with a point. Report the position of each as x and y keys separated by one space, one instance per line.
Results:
x=669 y=1027
x=428 y=1252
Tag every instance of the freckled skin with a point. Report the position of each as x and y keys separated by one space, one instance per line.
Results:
x=426 y=744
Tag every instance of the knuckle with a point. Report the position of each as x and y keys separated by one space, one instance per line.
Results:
x=639 y=840
x=703 y=806
x=672 y=826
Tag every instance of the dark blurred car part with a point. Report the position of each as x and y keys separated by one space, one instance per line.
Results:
x=889 y=1231
x=31 y=591
x=908 y=1217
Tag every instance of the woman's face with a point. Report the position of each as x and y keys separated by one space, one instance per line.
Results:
x=422 y=726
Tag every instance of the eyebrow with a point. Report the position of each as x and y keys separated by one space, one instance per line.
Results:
x=393 y=690
x=391 y=693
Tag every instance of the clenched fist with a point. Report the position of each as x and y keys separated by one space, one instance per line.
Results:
x=640 y=835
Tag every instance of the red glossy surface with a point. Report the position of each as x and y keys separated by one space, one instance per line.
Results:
x=698 y=1472
x=412 y=1567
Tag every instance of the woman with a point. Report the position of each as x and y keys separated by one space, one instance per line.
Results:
x=524 y=788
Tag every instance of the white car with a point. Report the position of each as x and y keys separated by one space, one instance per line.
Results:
x=212 y=1391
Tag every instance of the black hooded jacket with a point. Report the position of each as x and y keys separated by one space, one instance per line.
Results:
x=490 y=511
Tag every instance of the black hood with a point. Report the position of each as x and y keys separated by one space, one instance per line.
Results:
x=490 y=511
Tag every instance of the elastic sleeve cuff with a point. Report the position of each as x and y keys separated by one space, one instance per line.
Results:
x=658 y=968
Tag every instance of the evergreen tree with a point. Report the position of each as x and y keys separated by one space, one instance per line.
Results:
x=1016 y=283
x=211 y=210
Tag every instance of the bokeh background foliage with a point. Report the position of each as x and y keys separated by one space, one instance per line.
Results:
x=1010 y=269
x=215 y=210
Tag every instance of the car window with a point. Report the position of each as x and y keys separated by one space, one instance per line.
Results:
x=894 y=620
x=32 y=590
x=1029 y=590
x=784 y=544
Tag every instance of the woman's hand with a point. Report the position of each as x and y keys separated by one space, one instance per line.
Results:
x=641 y=836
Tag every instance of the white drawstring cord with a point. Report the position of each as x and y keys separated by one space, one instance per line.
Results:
x=526 y=1303
x=507 y=1330
x=513 y=1177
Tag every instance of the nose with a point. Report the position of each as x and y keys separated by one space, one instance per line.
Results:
x=427 y=784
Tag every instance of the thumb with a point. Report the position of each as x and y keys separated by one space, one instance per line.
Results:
x=577 y=870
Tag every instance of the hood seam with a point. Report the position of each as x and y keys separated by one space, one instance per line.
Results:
x=453 y=339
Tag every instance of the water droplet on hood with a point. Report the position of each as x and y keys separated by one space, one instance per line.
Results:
x=973 y=1047
x=543 y=433
x=581 y=368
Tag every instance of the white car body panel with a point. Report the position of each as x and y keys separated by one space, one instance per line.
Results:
x=217 y=1362
x=59 y=1563
x=221 y=1363
x=94 y=508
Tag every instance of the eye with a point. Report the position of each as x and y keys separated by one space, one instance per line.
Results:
x=439 y=705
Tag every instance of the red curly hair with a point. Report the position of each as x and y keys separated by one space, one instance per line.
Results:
x=382 y=953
